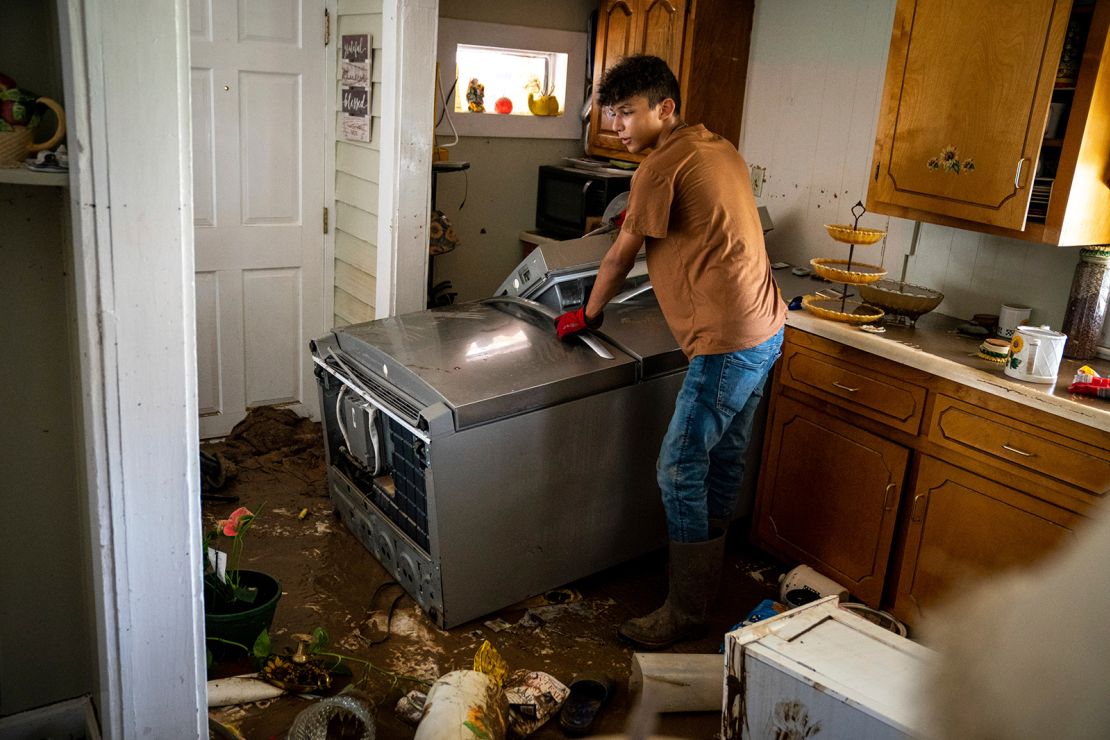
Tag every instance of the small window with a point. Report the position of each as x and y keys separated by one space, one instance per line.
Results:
x=509 y=74
x=507 y=63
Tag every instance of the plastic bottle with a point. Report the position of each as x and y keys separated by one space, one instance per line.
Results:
x=312 y=722
x=804 y=578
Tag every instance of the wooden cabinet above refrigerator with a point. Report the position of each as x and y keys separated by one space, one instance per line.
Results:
x=961 y=137
x=705 y=42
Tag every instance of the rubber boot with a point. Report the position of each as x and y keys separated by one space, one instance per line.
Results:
x=694 y=576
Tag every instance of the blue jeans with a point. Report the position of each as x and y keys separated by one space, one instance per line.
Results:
x=701 y=463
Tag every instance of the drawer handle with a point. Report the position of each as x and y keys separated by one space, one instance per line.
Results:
x=845 y=388
x=1017 y=451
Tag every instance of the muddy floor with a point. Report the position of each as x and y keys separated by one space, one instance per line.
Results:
x=329 y=580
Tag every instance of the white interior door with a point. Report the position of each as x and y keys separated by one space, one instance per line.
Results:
x=258 y=86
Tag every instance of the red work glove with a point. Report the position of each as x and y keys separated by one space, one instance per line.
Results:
x=575 y=322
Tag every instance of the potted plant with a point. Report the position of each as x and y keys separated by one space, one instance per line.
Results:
x=239 y=604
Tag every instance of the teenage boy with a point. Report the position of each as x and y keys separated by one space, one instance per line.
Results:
x=691 y=207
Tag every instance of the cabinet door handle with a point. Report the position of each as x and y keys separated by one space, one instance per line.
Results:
x=1017 y=451
x=845 y=388
x=917 y=513
x=1017 y=172
x=888 y=500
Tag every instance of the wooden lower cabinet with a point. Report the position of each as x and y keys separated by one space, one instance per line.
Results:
x=829 y=496
x=908 y=489
x=964 y=527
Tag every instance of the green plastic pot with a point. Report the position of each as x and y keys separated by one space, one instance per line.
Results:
x=240 y=622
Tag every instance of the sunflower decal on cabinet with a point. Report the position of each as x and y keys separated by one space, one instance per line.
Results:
x=949 y=161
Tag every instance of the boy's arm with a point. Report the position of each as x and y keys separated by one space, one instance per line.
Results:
x=615 y=266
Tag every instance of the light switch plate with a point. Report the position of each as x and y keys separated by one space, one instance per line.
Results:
x=759 y=174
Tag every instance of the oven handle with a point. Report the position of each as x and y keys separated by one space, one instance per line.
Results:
x=548 y=313
x=633 y=292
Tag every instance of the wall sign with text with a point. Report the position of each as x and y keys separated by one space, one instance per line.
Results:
x=355 y=86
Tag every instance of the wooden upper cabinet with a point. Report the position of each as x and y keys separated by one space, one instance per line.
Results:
x=967 y=91
x=705 y=43
x=616 y=36
x=961 y=133
x=661 y=31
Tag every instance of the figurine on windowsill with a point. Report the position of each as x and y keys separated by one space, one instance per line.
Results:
x=541 y=103
x=475 y=96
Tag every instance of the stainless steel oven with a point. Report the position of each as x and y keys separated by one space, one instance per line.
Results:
x=481 y=460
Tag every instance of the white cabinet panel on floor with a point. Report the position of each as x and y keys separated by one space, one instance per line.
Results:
x=822 y=669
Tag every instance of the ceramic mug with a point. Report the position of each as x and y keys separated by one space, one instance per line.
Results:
x=1035 y=354
x=1010 y=318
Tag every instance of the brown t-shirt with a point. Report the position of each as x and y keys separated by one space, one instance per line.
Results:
x=692 y=200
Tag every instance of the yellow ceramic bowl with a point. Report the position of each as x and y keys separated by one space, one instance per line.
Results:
x=846 y=234
x=836 y=270
x=834 y=309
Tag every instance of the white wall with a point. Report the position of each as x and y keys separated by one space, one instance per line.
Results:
x=356 y=178
x=500 y=191
x=45 y=591
x=45 y=601
x=815 y=80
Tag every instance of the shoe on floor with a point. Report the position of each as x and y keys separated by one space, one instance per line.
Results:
x=588 y=692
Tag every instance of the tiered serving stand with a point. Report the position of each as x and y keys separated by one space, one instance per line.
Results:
x=844 y=305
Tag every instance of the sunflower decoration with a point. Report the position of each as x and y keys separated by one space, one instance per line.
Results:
x=949 y=161
x=296 y=675
x=441 y=234
x=1016 y=345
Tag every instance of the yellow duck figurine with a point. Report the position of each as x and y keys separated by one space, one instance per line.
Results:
x=544 y=105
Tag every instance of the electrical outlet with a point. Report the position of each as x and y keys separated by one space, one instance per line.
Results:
x=758 y=175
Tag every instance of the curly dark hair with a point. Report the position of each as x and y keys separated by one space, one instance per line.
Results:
x=639 y=75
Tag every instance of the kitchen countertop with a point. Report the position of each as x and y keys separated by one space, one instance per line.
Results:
x=935 y=347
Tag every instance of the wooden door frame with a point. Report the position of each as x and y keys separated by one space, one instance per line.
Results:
x=126 y=70
x=409 y=32
x=329 y=113
x=130 y=202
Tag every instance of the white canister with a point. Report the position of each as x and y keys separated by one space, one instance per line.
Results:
x=1035 y=354
x=1010 y=318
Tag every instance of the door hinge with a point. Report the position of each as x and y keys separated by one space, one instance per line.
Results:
x=877 y=171
x=327 y=27
x=325 y=219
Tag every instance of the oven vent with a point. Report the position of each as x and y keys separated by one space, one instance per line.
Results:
x=407 y=505
x=389 y=396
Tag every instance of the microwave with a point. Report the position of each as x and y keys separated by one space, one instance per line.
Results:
x=570 y=200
